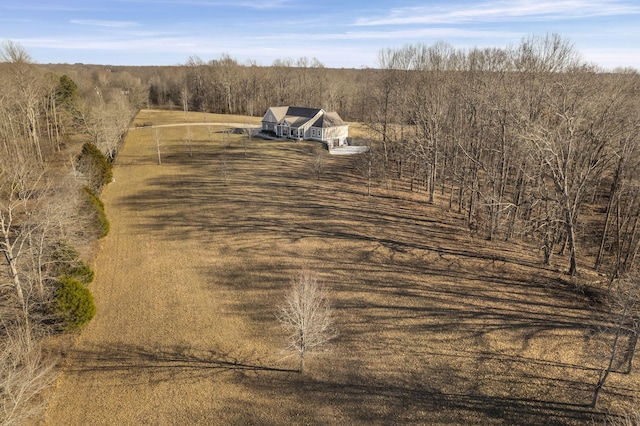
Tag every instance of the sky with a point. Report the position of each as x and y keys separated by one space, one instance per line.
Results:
x=339 y=33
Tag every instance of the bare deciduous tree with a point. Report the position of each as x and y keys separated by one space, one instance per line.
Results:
x=157 y=140
x=306 y=317
x=26 y=91
x=319 y=160
x=24 y=373
x=19 y=182
x=248 y=133
x=190 y=141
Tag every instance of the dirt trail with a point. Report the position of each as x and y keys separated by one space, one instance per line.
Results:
x=224 y=124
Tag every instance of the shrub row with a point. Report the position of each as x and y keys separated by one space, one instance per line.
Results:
x=73 y=300
x=101 y=221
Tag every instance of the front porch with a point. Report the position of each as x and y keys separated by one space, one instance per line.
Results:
x=296 y=133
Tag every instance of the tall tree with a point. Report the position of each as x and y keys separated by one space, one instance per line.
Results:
x=27 y=85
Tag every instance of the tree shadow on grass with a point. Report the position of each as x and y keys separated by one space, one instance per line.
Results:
x=144 y=364
x=376 y=402
x=404 y=271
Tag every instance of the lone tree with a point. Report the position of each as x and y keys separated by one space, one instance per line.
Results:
x=319 y=161
x=306 y=317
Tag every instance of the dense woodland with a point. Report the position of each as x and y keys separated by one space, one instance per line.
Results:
x=529 y=143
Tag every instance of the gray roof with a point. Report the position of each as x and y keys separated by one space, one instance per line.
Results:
x=302 y=111
x=329 y=119
x=298 y=116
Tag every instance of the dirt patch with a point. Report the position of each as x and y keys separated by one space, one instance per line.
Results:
x=435 y=327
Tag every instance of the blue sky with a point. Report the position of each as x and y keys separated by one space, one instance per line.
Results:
x=339 y=33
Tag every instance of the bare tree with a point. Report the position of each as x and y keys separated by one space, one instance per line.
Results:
x=157 y=140
x=571 y=152
x=19 y=182
x=27 y=90
x=248 y=132
x=306 y=317
x=106 y=122
x=184 y=98
x=24 y=373
x=319 y=160
x=190 y=141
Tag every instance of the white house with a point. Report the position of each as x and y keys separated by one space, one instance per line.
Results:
x=306 y=123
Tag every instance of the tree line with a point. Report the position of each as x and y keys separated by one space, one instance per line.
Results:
x=527 y=142
x=58 y=135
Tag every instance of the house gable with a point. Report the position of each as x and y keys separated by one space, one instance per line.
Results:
x=269 y=117
x=275 y=114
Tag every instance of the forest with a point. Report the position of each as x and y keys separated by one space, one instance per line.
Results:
x=530 y=144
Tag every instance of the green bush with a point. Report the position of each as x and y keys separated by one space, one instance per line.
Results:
x=101 y=221
x=95 y=166
x=75 y=303
x=66 y=262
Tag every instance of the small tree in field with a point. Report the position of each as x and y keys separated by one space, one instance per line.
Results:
x=319 y=160
x=306 y=317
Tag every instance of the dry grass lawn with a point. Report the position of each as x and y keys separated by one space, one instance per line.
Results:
x=436 y=327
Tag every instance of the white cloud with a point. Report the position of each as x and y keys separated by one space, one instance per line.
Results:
x=265 y=4
x=155 y=44
x=611 y=58
x=47 y=7
x=108 y=24
x=409 y=34
x=500 y=11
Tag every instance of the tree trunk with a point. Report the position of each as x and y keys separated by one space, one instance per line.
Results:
x=612 y=195
x=571 y=239
x=516 y=204
x=15 y=278
x=301 y=366
x=633 y=345
x=434 y=168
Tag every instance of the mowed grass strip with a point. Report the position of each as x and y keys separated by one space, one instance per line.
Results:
x=435 y=327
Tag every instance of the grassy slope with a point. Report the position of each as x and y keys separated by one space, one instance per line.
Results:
x=435 y=326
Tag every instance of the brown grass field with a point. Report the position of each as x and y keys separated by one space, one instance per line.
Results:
x=435 y=326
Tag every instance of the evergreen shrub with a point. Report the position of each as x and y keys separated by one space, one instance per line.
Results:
x=75 y=303
x=95 y=166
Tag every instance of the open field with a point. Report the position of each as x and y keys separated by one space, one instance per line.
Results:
x=435 y=327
